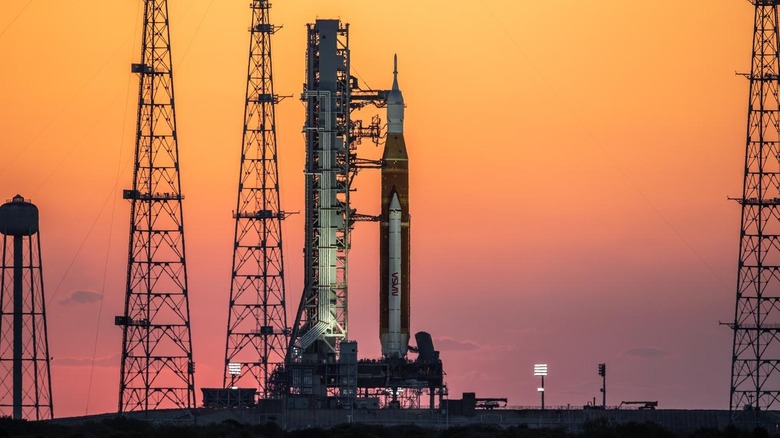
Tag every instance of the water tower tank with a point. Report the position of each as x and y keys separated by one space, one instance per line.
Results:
x=18 y=217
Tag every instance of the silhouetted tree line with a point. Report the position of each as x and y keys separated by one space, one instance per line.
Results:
x=126 y=428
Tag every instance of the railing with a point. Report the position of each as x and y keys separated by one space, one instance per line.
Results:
x=564 y=408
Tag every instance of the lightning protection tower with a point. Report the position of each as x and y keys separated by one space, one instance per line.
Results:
x=25 y=379
x=755 y=370
x=157 y=370
x=257 y=319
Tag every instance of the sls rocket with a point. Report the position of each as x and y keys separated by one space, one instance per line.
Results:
x=394 y=232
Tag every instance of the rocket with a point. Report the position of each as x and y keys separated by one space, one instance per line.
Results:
x=394 y=232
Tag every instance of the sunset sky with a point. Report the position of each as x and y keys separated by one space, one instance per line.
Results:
x=570 y=164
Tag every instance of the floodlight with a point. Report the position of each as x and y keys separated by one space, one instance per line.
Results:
x=540 y=369
x=234 y=369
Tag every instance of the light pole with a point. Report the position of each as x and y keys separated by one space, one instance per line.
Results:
x=603 y=374
x=540 y=369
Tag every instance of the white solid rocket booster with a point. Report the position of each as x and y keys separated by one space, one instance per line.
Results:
x=394 y=279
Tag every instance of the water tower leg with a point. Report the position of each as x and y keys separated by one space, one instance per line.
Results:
x=18 y=319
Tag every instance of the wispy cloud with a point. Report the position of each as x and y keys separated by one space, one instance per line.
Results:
x=449 y=344
x=109 y=361
x=82 y=297
x=647 y=353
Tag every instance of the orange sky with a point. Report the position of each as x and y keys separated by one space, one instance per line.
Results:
x=569 y=160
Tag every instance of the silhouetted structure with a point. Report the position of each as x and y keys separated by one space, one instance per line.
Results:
x=755 y=370
x=321 y=364
x=257 y=319
x=25 y=378
x=157 y=370
x=331 y=136
x=321 y=321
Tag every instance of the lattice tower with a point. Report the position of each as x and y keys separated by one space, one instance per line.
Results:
x=257 y=330
x=755 y=370
x=157 y=368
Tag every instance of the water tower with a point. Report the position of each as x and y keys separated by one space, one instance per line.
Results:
x=25 y=379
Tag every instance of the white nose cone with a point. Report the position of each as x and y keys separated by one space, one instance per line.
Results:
x=395 y=104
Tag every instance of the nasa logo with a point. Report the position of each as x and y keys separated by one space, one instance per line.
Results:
x=394 y=283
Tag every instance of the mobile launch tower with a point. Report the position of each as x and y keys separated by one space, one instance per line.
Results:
x=322 y=365
x=755 y=369
x=157 y=370
x=321 y=320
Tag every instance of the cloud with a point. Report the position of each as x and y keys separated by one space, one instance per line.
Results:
x=647 y=353
x=110 y=361
x=528 y=332
x=472 y=375
x=82 y=297
x=449 y=344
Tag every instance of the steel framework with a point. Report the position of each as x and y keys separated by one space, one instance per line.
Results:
x=257 y=330
x=157 y=370
x=331 y=136
x=321 y=320
x=25 y=377
x=322 y=314
x=755 y=370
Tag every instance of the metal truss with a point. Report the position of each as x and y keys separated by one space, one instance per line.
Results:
x=321 y=320
x=331 y=136
x=157 y=369
x=257 y=330
x=755 y=370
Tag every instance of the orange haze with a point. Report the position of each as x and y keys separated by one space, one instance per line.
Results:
x=570 y=163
